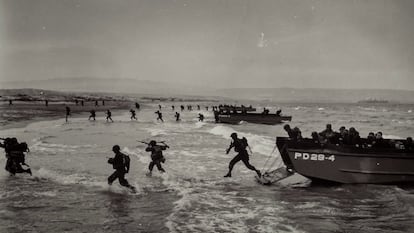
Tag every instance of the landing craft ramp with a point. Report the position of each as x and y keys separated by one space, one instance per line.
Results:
x=274 y=176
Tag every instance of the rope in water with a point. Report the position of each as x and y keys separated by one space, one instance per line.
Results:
x=273 y=163
x=270 y=156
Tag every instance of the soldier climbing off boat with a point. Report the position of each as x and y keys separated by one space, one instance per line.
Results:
x=240 y=145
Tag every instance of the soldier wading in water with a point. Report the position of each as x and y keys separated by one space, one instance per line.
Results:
x=121 y=165
x=15 y=156
x=240 y=145
x=156 y=156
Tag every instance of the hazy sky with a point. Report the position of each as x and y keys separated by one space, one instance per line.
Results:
x=219 y=43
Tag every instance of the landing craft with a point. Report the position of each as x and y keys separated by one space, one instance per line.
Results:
x=235 y=115
x=347 y=163
x=258 y=118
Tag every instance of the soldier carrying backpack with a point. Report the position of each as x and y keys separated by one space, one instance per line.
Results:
x=121 y=164
x=240 y=146
x=156 y=155
x=15 y=156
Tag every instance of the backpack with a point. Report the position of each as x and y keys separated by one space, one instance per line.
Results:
x=244 y=142
x=22 y=147
x=240 y=145
x=126 y=161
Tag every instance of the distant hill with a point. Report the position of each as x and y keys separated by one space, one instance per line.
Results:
x=313 y=95
x=30 y=94
x=121 y=85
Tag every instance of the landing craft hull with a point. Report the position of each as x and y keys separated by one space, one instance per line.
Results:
x=257 y=118
x=347 y=164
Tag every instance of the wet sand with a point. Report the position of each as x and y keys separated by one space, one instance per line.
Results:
x=22 y=113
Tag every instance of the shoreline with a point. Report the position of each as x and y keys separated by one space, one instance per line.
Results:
x=22 y=114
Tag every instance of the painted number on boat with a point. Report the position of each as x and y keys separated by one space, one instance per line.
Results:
x=314 y=157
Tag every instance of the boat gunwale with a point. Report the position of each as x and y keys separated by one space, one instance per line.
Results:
x=284 y=145
x=344 y=154
x=254 y=114
x=346 y=150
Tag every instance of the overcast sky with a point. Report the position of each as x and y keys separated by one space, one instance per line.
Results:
x=218 y=43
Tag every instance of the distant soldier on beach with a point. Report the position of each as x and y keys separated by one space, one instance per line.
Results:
x=67 y=112
x=133 y=114
x=103 y=102
x=198 y=107
x=177 y=116
x=172 y=107
x=240 y=145
x=206 y=108
x=15 y=156
x=96 y=103
x=47 y=103
x=121 y=164
x=159 y=107
x=200 y=117
x=159 y=116
x=108 y=116
x=93 y=115
x=82 y=103
x=137 y=105
x=182 y=108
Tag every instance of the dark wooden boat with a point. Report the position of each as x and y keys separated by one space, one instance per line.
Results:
x=258 y=118
x=236 y=108
x=346 y=163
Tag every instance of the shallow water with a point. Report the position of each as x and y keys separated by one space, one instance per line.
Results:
x=68 y=190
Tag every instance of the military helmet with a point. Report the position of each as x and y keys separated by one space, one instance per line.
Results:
x=116 y=148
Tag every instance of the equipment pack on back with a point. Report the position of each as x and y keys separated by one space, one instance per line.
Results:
x=126 y=161
x=15 y=156
x=240 y=144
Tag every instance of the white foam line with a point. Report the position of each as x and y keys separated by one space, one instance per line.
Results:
x=79 y=179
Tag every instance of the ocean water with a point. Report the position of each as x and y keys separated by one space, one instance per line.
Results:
x=68 y=191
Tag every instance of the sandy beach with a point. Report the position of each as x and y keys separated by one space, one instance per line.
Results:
x=29 y=105
x=21 y=113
